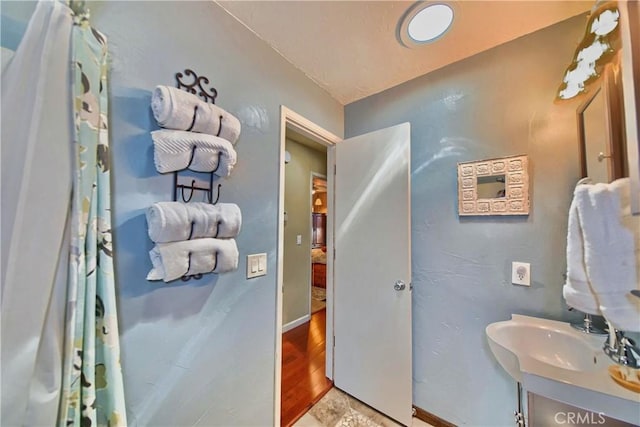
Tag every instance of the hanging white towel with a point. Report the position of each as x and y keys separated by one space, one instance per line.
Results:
x=612 y=250
x=577 y=290
x=175 y=221
x=175 y=150
x=174 y=108
x=174 y=260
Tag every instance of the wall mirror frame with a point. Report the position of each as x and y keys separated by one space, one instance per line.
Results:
x=600 y=128
x=514 y=200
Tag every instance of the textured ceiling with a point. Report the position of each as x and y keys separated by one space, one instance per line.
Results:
x=350 y=48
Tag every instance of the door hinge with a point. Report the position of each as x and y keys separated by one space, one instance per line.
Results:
x=410 y=286
x=334 y=169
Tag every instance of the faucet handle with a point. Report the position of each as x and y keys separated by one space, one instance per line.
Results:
x=623 y=350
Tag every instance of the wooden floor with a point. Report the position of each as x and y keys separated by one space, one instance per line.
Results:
x=303 y=368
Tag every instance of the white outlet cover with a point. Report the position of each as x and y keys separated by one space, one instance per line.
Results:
x=521 y=273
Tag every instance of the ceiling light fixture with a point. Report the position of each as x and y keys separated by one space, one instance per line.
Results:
x=424 y=23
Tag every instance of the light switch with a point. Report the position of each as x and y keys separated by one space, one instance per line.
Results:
x=299 y=239
x=256 y=265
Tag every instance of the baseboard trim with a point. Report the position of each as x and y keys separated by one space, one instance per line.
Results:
x=430 y=418
x=296 y=323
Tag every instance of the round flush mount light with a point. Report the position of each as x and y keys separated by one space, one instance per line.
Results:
x=424 y=23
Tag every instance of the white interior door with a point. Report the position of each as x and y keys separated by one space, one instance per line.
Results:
x=372 y=310
x=596 y=140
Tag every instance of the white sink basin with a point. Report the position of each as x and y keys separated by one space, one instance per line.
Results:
x=554 y=360
x=524 y=340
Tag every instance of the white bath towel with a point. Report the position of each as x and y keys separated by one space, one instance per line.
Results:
x=229 y=220
x=175 y=221
x=577 y=290
x=173 y=149
x=172 y=261
x=612 y=250
x=177 y=109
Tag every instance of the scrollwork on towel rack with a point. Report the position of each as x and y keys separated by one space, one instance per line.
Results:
x=198 y=81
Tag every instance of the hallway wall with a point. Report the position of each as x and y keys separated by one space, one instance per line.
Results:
x=494 y=104
x=297 y=204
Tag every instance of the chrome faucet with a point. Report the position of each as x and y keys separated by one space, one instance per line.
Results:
x=621 y=349
x=587 y=325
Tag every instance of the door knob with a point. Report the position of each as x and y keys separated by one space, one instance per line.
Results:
x=602 y=156
x=399 y=285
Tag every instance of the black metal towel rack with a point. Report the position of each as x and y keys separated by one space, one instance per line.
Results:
x=196 y=86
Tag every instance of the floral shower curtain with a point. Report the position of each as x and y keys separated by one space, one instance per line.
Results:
x=92 y=387
x=57 y=285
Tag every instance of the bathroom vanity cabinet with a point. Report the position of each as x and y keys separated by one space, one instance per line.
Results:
x=544 y=412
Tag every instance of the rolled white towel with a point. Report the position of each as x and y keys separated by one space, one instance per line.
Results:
x=229 y=220
x=172 y=150
x=172 y=261
x=175 y=221
x=612 y=250
x=177 y=109
x=577 y=290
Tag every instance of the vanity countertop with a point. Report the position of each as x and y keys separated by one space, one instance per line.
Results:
x=593 y=390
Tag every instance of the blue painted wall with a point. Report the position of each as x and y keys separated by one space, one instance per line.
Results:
x=197 y=353
x=497 y=103
x=200 y=353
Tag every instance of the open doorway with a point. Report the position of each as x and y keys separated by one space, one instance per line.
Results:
x=304 y=358
x=304 y=379
x=304 y=225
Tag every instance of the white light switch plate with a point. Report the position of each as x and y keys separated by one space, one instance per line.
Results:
x=521 y=273
x=256 y=265
x=299 y=239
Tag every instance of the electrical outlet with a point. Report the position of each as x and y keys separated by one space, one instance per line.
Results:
x=521 y=273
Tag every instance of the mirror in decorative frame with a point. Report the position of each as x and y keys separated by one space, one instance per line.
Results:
x=494 y=187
